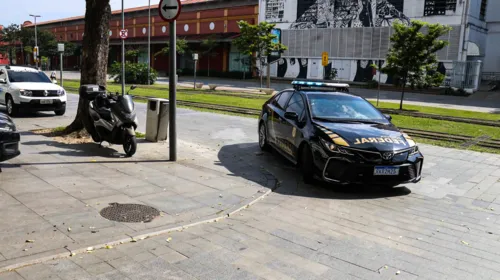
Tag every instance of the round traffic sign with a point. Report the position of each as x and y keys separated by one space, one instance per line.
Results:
x=124 y=33
x=169 y=9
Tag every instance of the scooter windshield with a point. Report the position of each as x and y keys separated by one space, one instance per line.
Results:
x=126 y=103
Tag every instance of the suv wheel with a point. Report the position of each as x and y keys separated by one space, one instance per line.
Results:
x=61 y=111
x=307 y=164
x=12 y=109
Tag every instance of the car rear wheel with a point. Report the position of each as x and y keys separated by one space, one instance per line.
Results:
x=307 y=164
x=12 y=109
x=263 y=144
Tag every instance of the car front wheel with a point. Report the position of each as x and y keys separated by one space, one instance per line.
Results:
x=12 y=109
x=307 y=165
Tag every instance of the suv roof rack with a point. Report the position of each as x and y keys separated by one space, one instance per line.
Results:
x=311 y=84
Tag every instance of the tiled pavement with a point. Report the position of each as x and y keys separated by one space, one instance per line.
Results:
x=445 y=227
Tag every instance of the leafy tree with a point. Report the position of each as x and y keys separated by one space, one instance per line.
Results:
x=9 y=37
x=412 y=56
x=257 y=39
x=209 y=45
x=181 y=46
x=95 y=58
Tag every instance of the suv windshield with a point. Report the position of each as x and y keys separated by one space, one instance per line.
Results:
x=334 y=107
x=27 y=77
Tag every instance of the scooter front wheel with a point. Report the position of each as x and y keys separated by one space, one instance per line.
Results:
x=130 y=145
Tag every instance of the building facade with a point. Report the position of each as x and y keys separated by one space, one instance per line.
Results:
x=199 y=20
x=492 y=61
x=356 y=33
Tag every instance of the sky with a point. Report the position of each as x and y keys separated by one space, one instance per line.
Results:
x=18 y=11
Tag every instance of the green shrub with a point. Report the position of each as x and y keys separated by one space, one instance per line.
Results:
x=135 y=73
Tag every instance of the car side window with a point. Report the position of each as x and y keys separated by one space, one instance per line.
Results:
x=296 y=105
x=283 y=99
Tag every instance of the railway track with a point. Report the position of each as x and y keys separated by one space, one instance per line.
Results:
x=383 y=110
x=464 y=140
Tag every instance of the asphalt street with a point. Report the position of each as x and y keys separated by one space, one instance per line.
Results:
x=445 y=227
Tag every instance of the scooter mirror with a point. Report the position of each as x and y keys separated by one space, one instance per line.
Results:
x=133 y=87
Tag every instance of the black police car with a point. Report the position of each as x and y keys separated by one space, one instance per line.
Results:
x=338 y=137
x=9 y=138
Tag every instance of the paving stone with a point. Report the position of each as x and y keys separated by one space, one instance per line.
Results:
x=11 y=276
x=99 y=268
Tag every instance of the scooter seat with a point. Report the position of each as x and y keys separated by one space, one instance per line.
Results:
x=105 y=113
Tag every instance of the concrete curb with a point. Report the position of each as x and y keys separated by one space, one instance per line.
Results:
x=57 y=254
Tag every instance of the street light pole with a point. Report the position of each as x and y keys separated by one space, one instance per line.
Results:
x=36 y=40
x=149 y=40
x=123 y=52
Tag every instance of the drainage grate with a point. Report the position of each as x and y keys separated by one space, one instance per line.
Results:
x=129 y=213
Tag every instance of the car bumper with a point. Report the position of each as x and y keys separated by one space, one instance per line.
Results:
x=9 y=145
x=342 y=171
x=35 y=105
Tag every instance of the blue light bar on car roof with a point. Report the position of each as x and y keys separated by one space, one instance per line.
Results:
x=312 y=84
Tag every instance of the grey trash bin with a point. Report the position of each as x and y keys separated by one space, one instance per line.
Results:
x=157 y=120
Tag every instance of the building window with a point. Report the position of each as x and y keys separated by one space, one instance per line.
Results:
x=439 y=7
x=482 y=12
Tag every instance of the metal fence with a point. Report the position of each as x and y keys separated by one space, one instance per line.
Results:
x=354 y=43
x=490 y=76
x=464 y=75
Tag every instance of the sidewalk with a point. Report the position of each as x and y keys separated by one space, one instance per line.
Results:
x=51 y=196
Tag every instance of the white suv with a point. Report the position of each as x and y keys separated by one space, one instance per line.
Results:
x=30 y=89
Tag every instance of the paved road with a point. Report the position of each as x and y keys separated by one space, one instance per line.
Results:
x=445 y=227
x=480 y=101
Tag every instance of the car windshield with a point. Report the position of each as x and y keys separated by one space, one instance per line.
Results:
x=27 y=77
x=343 y=108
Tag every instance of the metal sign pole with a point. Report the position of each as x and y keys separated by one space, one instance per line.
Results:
x=123 y=53
x=172 y=84
x=149 y=41
x=379 y=71
x=61 y=75
x=195 y=74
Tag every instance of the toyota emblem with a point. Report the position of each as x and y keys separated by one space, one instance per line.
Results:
x=387 y=156
x=45 y=93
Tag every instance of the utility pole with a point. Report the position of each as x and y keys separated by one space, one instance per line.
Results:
x=36 y=40
x=149 y=41
x=123 y=52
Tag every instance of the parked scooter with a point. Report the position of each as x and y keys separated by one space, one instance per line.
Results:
x=113 y=116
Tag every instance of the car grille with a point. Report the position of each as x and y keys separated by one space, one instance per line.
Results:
x=376 y=157
x=41 y=93
x=360 y=173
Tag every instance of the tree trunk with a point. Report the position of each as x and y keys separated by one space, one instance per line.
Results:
x=402 y=93
x=95 y=50
x=208 y=69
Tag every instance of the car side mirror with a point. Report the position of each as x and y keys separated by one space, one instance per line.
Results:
x=54 y=81
x=291 y=116
x=2 y=81
x=389 y=117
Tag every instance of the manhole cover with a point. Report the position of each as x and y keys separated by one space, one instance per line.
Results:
x=129 y=213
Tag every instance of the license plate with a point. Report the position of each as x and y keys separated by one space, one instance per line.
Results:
x=46 y=101
x=386 y=171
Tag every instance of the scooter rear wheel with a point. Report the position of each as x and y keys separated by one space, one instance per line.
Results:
x=130 y=145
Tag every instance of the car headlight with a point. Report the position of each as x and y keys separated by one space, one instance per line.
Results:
x=26 y=92
x=61 y=92
x=414 y=150
x=334 y=148
x=6 y=128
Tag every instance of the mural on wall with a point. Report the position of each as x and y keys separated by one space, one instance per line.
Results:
x=347 y=70
x=339 y=13
x=275 y=10
x=439 y=7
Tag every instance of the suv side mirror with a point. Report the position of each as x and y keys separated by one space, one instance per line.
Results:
x=389 y=117
x=3 y=81
x=291 y=116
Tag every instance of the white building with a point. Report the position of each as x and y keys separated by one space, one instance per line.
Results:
x=356 y=33
x=492 y=57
